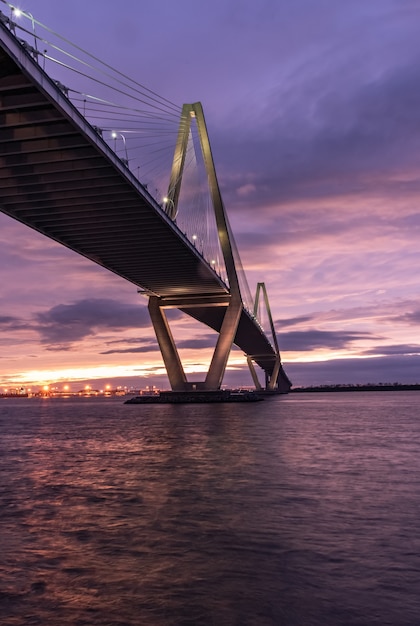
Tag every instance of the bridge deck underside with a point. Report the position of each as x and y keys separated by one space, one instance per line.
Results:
x=60 y=178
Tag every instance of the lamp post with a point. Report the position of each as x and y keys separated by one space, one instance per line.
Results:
x=16 y=13
x=114 y=136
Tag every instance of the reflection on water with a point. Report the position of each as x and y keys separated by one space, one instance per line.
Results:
x=300 y=510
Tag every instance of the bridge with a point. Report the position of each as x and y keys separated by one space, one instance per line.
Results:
x=60 y=177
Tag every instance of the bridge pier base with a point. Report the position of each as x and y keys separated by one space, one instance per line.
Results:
x=169 y=351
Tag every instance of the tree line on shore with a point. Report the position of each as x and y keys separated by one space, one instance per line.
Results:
x=359 y=387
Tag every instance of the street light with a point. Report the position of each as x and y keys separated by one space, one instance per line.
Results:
x=16 y=12
x=114 y=136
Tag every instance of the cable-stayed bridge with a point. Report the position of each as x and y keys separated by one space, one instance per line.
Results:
x=59 y=176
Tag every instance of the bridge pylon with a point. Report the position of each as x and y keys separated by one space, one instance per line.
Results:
x=276 y=379
x=232 y=301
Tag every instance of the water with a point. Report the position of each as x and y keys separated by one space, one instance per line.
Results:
x=300 y=510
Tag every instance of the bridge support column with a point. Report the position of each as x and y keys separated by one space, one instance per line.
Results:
x=272 y=380
x=224 y=345
x=171 y=358
x=275 y=376
x=253 y=373
x=174 y=369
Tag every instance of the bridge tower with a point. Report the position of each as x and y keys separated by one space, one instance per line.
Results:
x=232 y=301
x=277 y=380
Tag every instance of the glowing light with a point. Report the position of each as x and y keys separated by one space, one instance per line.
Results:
x=114 y=135
x=16 y=12
x=46 y=387
x=40 y=377
x=167 y=200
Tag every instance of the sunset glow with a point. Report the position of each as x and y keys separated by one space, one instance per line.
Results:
x=317 y=151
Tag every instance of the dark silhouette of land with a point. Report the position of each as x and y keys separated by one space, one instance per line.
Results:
x=365 y=387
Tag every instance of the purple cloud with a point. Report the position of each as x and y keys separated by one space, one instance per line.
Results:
x=306 y=340
x=68 y=323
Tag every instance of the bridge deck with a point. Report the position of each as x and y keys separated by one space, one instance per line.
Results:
x=59 y=177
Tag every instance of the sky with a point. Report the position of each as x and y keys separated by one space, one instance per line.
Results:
x=313 y=110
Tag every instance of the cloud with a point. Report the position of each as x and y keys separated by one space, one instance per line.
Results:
x=334 y=132
x=387 y=313
x=205 y=341
x=397 y=349
x=5 y=320
x=138 y=350
x=68 y=323
x=151 y=346
x=306 y=340
x=317 y=152
x=246 y=190
x=412 y=318
x=9 y=323
x=295 y=321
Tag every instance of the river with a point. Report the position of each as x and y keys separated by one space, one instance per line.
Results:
x=302 y=510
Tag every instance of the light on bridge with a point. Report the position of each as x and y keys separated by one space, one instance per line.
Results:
x=115 y=136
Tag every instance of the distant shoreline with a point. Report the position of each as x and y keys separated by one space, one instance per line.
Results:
x=367 y=387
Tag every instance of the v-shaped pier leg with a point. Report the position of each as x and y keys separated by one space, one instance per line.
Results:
x=174 y=369
x=253 y=373
x=171 y=359
x=224 y=345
